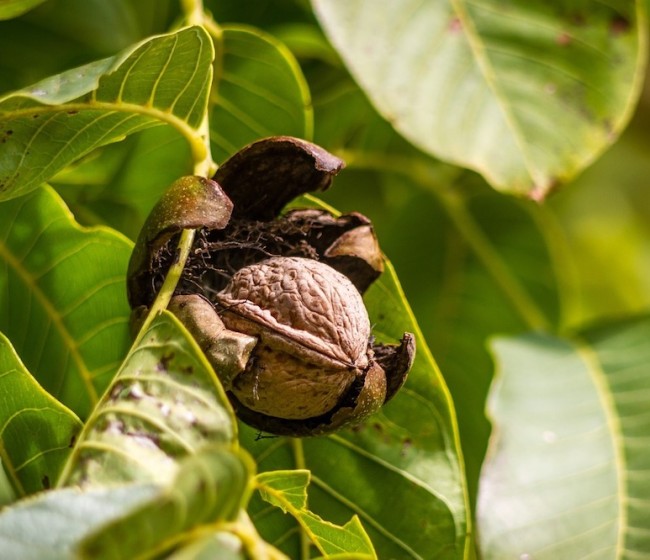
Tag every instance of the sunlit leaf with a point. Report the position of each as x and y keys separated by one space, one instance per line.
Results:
x=567 y=472
x=260 y=91
x=45 y=127
x=465 y=81
x=288 y=491
x=209 y=489
x=33 y=463
x=408 y=454
x=62 y=295
x=52 y=523
x=165 y=403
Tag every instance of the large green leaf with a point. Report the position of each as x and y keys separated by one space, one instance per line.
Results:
x=466 y=81
x=62 y=296
x=47 y=126
x=52 y=524
x=259 y=91
x=567 y=473
x=207 y=493
x=401 y=472
x=165 y=403
x=31 y=463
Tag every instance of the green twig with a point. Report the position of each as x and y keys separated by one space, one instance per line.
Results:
x=193 y=10
x=204 y=165
x=171 y=280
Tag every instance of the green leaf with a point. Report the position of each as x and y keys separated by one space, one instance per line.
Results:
x=7 y=493
x=13 y=8
x=112 y=187
x=165 y=403
x=49 y=125
x=409 y=453
x=288 y=491
x=32 y=463
x=260 y=92
x=567 y=472
x=62 y=295
x=52 y=523
x=210 y=488
x=465 y=81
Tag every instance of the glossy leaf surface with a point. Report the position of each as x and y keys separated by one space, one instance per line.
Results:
x=465 y=81
x=567 y=472
x=47 y=126
x=35 y=463
x=62 y=295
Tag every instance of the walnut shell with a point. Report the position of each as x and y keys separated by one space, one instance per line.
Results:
x=313 y=328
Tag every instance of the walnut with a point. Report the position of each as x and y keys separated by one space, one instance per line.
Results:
x=275 y=301
x=313 y=331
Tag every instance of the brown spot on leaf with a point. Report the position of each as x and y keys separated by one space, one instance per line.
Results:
x=455 y=25
x=45 y=482
x=163 y=364
x=564 y=39
x=619 y=25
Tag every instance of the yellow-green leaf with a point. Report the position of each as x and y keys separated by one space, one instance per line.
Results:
x=528 y=93
x=45 y=127
x=31 y=463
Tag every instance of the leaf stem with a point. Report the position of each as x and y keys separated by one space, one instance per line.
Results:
x=204 y=165
x=171 y=281
x=193 y=10
x=423 y=174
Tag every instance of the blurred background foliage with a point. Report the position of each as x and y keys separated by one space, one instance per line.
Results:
x=583 y=255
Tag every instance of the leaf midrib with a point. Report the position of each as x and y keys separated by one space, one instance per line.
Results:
x=487 y=71
x=606 y=398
